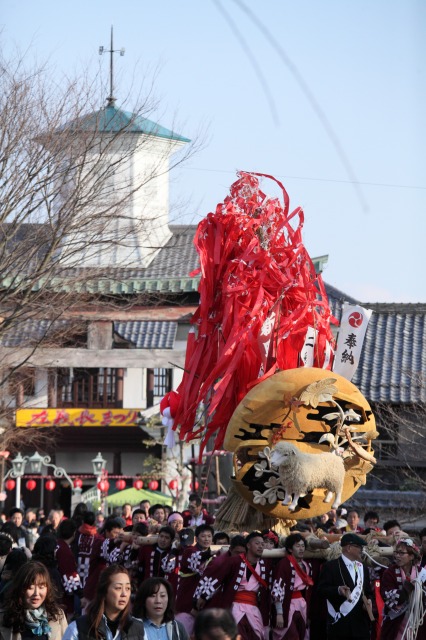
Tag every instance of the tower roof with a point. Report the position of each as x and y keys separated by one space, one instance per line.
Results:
x=112 y=120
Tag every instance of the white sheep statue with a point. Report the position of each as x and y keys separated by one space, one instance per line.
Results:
x=301 y=472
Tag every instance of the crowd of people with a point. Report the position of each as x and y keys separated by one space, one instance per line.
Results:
x=157 y=574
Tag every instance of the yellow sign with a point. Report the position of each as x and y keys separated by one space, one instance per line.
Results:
x=77 y=417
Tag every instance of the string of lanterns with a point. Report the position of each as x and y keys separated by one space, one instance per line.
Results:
x=103 y=485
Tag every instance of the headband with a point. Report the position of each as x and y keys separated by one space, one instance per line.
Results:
x=174 y=517
x=271 y=536
x=409 y=542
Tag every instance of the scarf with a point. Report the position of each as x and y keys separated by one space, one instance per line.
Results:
x=88 y=530
x=260 y=580
x=36 y=620
x=307 y=580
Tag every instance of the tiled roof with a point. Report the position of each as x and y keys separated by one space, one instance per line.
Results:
x=147 y=334
x=392 y=366
x=169 y=271
x=382 y=498
x=143 y=334
x=336 y=298
x=32 y=332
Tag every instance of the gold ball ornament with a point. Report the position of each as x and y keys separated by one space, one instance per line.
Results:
x=318 y=411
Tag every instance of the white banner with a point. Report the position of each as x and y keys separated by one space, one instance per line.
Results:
x=307 y=353
x=353 y=326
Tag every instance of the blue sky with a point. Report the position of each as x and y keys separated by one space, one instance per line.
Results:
x=363 y=66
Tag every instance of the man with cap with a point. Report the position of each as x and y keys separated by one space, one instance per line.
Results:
x=345 y=584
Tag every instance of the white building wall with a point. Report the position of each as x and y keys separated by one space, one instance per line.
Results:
x=136 y=167
x=178 y=373
x=134 y=389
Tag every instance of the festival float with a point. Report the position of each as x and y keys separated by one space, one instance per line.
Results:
x=263 y=363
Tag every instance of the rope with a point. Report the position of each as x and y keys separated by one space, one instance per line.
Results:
x=416 y=612
x=373 y=560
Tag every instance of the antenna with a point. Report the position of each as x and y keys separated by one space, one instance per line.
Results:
x=111 y=51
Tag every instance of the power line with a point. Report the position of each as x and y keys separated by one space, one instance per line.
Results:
x=311 y=99
x=366 y=184
x=253 y=61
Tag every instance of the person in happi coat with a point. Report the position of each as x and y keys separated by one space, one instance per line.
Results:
x=150 y=557
x=67 y=566
x=398 y=590
x=84 y=542
x=192 y=567
x=291 y=591
x=111 y=530
x=243 y=583
x=345 y=583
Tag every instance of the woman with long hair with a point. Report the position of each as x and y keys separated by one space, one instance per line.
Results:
x=31 y=609
x=154 y=605
x=108 y=615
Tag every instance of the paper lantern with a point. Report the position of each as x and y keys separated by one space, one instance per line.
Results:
x=196 y=484
x=78 y=483
x=31 y=485
x=103 y=486
x=173 y=485
x=50 y=485
x=10 y=484
x=120 y=484
x=137 y=484
x=153 y=485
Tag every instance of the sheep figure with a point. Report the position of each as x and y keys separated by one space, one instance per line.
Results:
x=301 y=472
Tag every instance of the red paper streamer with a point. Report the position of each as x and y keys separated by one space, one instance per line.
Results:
x=255 y=273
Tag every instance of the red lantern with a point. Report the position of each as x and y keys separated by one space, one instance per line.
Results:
x=103 y=486
x=173 y=485
x=138 y=484
x=10 y=484
x=120 y=484
x=78 y=483
x=196 y=484
x=50 y=485
x=153 y=485
x=31 y=485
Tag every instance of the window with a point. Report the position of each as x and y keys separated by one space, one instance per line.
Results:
x=162 y=382
x=22 y=385
x=158 y=383
x=96 y=388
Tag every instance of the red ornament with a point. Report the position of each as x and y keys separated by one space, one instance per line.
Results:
x=78 y=483
x=196 y=484
x=10 y=484
x=173 y=485
x=120 y=484
x=50 y=485
x=103 y=486
x=137 y=484
x=31 y=485
x=153 y=485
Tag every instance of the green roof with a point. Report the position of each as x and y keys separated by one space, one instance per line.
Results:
x=113 y=120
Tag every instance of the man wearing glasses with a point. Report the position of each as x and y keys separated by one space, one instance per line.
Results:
x=345 y=583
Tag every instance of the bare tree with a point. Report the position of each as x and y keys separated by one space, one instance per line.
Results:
x=79 y=193
x=402 y=440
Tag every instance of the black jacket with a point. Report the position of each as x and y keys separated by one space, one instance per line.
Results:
x=133 y=630
x=356 y=624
